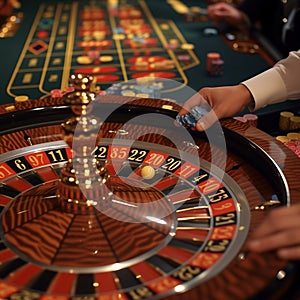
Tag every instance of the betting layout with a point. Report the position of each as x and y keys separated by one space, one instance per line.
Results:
x=115 y=42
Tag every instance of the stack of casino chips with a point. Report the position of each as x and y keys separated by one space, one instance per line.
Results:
x=190 y=119
x=114 y=89
x=288 y=121
x=57 y=93
x=292 y=141
x=214 y=64
x=143 y=88
x=195 y=13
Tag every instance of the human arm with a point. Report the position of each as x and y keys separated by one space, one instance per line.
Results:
x=244 y=15
x=277 y=84
x=224 y=12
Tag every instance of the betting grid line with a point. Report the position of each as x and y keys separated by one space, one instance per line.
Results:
x=42 y=58
x=162 y=39
x=50 y=48
x=70 y=46
x=24 y=50
x=171 y=53
x=66 y=21
x=119 y=49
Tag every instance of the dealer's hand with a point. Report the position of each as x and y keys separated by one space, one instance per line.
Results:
x=280 y=232
x=222 y=102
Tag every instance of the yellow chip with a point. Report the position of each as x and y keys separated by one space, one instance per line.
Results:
x=10 y=108
x=164 y=26
x=84 y=60
x=293 y=136
x=118 y=36
x=21 y=98
x=141 y=64
x=195 y=9
x=283 y=138
x=99 y=35
x=286 y=114
x=294 y=123
x=284 y=120
x=142 y=95
x=106 y=58
x=187 y=46
x=180 y=7
x=174 y=41
x=128 y=93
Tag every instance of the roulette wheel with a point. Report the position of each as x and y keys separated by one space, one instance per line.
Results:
x=112 y=201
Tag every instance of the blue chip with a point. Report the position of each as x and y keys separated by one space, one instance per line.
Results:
x=198 y=112
x=190 y=119
x=210 y=31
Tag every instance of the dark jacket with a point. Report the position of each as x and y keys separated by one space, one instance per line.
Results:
x=269 y=15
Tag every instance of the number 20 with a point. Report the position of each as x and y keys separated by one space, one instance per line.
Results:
x=171 y=164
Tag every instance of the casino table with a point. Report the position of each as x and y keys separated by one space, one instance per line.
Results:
x=203 y=197
x=55 y=39
x=82 y=219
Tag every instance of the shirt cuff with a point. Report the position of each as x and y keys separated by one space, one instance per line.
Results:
x=266 y=88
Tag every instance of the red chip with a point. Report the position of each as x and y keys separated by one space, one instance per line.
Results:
x=56 y=93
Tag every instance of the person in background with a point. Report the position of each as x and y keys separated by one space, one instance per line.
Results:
x=7 y=6
x=280 y=229
x=277 y=20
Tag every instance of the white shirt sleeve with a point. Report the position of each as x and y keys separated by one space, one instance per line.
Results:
x=280 y=83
